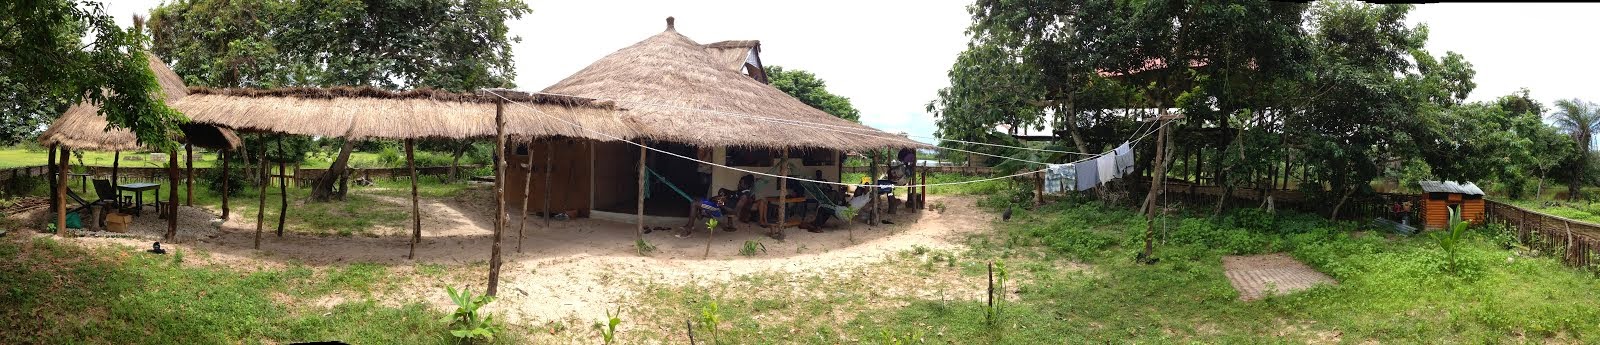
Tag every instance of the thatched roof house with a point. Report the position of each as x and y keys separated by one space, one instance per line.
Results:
x=673 y=70
x=709 y=101
x=82 y=126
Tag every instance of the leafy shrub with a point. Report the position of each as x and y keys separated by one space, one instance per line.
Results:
x=391 y=157
x=751 y=247
x=23 y=185
x=1254 y=219
x=711 y=318
x=236 y=178
x=466 y=322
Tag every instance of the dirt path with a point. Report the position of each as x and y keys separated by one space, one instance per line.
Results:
x=574 y=268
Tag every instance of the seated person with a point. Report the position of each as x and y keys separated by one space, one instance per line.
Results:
x=743 y=200
x=857 y=202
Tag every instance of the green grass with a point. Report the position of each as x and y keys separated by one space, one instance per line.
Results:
x=1392 y=290
x=57 y=293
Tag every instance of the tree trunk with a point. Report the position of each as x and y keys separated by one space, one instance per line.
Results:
x=52 y=177
x=1071 y=117
x=455 y=159
x=1156 y=181
x=323 y=189
x=1538 y=191
x=527 y=188
x=1335 y=214
x=638 y=232
x=116 y=159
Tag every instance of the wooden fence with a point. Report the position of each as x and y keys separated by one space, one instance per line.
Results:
x=1576 y=242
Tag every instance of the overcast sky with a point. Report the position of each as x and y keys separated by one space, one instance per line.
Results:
x=890 y=57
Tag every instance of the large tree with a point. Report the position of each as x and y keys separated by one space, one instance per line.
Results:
x=54 y=53
x=1580 y=120
x=457 y=45
x=812 y=91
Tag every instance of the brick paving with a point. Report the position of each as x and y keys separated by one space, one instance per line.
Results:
x=1253 y=275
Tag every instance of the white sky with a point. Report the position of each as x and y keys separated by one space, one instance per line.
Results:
x=889 y=57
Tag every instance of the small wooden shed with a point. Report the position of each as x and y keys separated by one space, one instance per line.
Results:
x=1440 y=197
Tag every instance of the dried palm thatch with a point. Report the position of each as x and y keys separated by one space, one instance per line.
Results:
x=670 y=69
x=373 y=113
x=82 y=126
x=732 y=54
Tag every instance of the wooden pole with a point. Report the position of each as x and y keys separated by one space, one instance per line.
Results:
x=283 y=189
x=261 y=203
x=116 y=158
x=172 y=202
x=922 y=198
x=783 y=192
x=223 y=156
x=638 y=232
x=590 y=143
x=499 y=195
x=549 y=169
x=1038 y=187
x=188 y=185
x=416 y=210
x=61 y=190
x=872 y=188
x=527 y=187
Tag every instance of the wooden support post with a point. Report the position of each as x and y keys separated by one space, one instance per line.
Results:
x=416 y=210
x=1038 y=187
x=638 y=232
x=527 y=188
x=223 y=156
x=283 y=189
x=261 y=203
x=172 y=202
x=783 y=192
x=872 y=189
x=590 y=143
x=549 y=169
x=116 y=158
x=922 y=198
x=499 y=194
x=61 y=190
x=188 y=185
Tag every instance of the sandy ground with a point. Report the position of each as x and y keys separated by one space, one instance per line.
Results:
x=571 y=269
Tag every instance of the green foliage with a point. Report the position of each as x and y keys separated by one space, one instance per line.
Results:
x=56 y=53
x=752 y=248
x=997 y=293
x=1450 y=240
x=238 y=178
x=466 y=323
x=711 y=319
x=644 y=247
x=608 y=331
x=812 y=91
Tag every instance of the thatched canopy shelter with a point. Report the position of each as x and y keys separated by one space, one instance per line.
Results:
x=671 y=69
x=82 y=126
x=373 y=113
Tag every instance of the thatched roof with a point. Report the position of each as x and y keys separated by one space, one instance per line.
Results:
x=671 y=69
x=374 y=113
x=732 y=54
x=82 y=126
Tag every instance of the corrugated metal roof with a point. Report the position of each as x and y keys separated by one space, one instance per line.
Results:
x=1450 y=187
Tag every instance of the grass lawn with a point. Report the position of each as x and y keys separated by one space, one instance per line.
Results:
x=1074 y=281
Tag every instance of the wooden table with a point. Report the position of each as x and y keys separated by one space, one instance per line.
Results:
x=138 y=189
x=762 y=210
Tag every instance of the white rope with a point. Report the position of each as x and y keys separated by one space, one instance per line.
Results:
x=612 y=137
x=843 y=129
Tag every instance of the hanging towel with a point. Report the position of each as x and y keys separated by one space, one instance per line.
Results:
x=1058 y=177
x=1124 y=159
x=1106 y=167
x=1087 y=175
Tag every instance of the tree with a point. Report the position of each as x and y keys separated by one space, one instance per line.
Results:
x=455 y=45
x=46 y=65
x=1580 y=120
x=812 y=91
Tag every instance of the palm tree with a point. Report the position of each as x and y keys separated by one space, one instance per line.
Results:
x=1580 y=120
